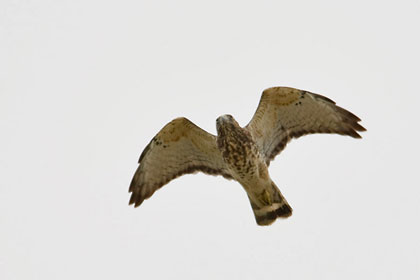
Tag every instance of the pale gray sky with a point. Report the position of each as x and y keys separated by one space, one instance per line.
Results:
x=85 y=85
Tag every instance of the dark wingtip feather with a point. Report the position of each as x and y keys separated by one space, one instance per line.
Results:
x=138 y=203
x=352 y=121
x=132 y=198
x=347 y=114
x=136 y=199
x=356 y=135
x=350 y=131
x=358 y=127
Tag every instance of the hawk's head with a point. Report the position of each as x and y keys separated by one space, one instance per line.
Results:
x=225 y=123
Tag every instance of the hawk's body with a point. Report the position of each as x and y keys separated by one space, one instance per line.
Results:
x=242 y=154
x=248 y=167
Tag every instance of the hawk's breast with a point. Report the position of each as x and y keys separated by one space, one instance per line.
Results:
x=239 y=151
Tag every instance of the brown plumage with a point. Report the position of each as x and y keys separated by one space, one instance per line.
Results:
x=242 y=154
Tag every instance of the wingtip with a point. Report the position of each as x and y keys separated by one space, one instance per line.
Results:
x=361 y=128
x=358 y=128
x=353 y=133
x=134 y=200
x=138 y=203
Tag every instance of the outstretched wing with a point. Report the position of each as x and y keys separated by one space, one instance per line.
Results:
x=179 y=148
x=285 y=113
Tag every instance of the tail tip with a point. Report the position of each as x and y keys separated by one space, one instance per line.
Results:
x=284 y=211
x=269 y=217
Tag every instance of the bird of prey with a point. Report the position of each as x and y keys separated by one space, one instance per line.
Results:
x=241 y=154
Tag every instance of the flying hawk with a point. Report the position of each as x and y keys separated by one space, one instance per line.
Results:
x=241 y=154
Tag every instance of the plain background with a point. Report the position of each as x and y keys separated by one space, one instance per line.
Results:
x=85 y=85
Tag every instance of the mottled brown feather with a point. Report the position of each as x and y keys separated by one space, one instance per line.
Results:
x=285 y=113
x=179 y=148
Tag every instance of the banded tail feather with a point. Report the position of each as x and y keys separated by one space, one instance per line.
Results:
x=279 y=208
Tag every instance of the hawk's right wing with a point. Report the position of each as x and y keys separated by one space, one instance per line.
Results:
x=179 y=148
x=285 y=113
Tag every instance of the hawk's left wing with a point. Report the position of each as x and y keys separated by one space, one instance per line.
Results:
x=285 y=113
x=179 y=148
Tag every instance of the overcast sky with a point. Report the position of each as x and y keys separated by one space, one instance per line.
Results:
x=85 y=85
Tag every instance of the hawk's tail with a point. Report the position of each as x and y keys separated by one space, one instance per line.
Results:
x=276 y=207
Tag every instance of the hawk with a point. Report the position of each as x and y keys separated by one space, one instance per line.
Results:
x=241 y=154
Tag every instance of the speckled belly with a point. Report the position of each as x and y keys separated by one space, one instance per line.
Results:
x=242 y=158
